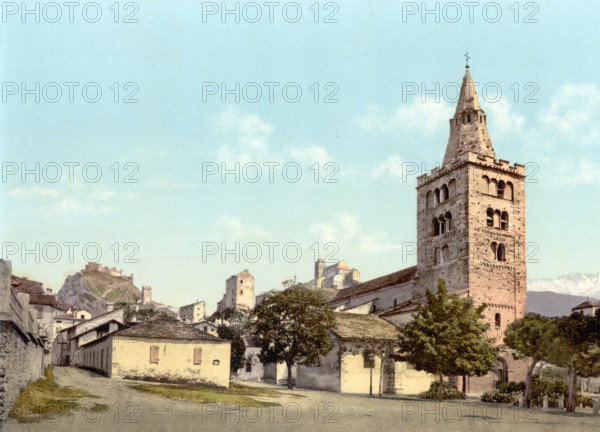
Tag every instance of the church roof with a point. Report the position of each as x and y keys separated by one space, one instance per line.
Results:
x=468 y=127
x=396 y=278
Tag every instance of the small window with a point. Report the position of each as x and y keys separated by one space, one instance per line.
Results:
x=395 y=302
x=216 y=362
x=490 y=218
x=368 y=360
x=197 y=355
x=501 y=186
x=469 y=118
x=436 y=227
x=205 y=328
x=154 y=354
x=448 y=219
x=249 y=365
x=504 y=221
x=501 y=252
x=498 y=320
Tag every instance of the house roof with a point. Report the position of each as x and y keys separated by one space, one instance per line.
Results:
x=357 y=326
x=396 y=278
x=585 y=305
x=42 y=299
x=22 y=284
x=166 y=327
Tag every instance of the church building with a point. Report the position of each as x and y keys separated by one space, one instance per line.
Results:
x=470 y=232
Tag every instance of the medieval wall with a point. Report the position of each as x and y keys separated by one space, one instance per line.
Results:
x=21 y=351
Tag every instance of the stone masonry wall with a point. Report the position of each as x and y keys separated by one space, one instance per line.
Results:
x=21 y=350
x=21 y=361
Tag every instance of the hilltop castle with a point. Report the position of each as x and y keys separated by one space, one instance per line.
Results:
x=99 y=268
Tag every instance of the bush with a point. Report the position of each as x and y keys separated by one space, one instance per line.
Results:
x=449 y=391
x=509 y=393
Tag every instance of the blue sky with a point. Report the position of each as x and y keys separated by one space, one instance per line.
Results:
x=371 y=135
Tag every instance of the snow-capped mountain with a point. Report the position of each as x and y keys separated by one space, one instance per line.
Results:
x=585 y=285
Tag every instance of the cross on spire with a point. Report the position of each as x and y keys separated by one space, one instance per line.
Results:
x=467 y=57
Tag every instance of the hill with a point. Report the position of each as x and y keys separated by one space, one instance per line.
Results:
x=91 y=290
x=577 y=284
x=553 y=304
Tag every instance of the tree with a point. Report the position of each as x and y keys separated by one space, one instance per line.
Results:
x=291 y=327
x=447 y=337
x=572 y=347
x=238 y=346
x=529 y=336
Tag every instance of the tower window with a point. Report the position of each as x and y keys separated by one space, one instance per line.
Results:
x=445 y=194
x=429 y=200
x=436 y=227
x=436 y=197
x=437 y=257
x=501 y=254
x=501 y=186
x=395 y=302
x=469 y=118
x=498 y=320
x=442 y=224
x=494 y=247
x=490 y=218
x=509 y=191
x=504 y=221
x=446 y=253
x=448 y=218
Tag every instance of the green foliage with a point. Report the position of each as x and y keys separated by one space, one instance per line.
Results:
x=529 y=336
x=238 y=346
x=509 y=393
x=291 y=327
x=448 y=391
x=447 y=337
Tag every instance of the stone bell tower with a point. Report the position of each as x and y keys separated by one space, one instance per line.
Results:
x=471 y=225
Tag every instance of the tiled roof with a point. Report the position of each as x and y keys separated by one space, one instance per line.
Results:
x=166 y=327
x=25 y=285
x=42 y=299
x=396 y=278
x=586 y=304
x=357 y=326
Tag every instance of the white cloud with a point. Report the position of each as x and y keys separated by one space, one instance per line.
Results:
x=429 y=117
x=501 y=120
x=311 y=154
x=253 y=133
x=234 y=228
x=33 y=192
x=393 y=166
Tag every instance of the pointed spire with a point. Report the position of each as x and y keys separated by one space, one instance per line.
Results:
x=468 y=127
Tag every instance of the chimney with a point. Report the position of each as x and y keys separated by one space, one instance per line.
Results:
x=49 y=291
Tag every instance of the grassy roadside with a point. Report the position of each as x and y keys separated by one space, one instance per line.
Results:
x=44 y=399
x=236 y=393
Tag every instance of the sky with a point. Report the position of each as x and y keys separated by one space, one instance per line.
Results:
x=184 y=142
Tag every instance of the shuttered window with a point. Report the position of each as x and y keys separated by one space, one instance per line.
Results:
x=154 y=354
x=197 y=356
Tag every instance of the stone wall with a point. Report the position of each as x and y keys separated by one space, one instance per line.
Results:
x=21 y=350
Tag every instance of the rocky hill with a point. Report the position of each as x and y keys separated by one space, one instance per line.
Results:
x=91 y=291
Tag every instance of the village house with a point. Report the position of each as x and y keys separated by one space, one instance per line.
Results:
x=192 y=313
x=206 y=326
x=350 y=368
x=253 y=369
x=588 y=308
x=69 y=340
x=161 y=348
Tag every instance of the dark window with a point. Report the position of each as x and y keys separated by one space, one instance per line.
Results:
x=469 y=118
x=490 y=218
x=501 y=186
x=249 y=365
x=436 y=227
x=498 y=320
x=395 y=302
x=504 y=221
x=501 y=252
x=368 y=360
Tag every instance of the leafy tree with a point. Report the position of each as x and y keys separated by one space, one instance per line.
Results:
x=447 y=337
x=529 y=336
x=572 y=347
x=238 y=346
x=291 y=327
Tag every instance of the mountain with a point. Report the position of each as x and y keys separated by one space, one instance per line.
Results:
x=576 y=284
x=91 y=290
x=552 y=304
